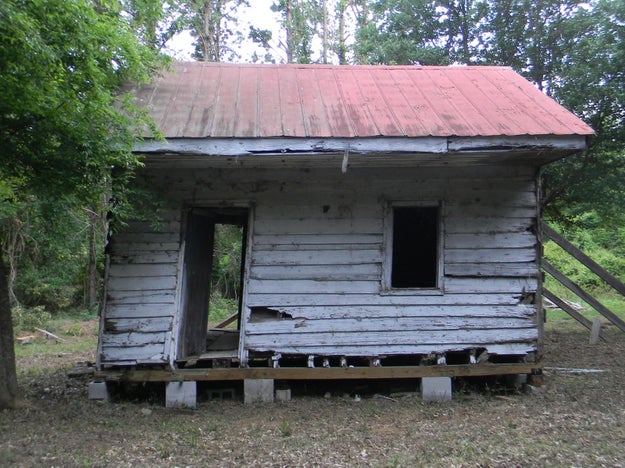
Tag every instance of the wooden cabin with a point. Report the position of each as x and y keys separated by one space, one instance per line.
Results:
x=389 y=214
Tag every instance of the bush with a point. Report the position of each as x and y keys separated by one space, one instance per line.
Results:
x=29 y=318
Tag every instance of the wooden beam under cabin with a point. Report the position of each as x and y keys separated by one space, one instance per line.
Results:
x=305 y=373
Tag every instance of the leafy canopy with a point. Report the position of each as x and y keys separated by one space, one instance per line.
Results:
x=62 y=127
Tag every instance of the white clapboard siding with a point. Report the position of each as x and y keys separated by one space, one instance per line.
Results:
x=317 y=253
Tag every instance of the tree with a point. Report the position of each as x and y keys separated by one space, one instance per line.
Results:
x=62 y=125
x=211 y=21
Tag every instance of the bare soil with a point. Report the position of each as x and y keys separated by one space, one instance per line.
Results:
x=576 y=419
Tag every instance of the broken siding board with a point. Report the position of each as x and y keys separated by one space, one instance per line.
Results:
x=146 y=237
x=130 y=248
x=363 y=312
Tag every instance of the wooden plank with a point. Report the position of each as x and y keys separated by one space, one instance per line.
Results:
x=315 y=257
x=492 y=269
x=326 y=240
x=290 y=247
x=142 y=270
x=138 y=310
x=467 y=225
x=145 y=283
x=130 y=248
x=358 y=272
x=399 y=311
x=595 y=304
x=456 y=285
x=139 y=297
x=382 y=338
x=152 y=353
x=516 y=240
x=132 y=338
x=145 y=237
x=583 y=258
x=141 y=325
x=388 y=325
x=356 y=300
x=319 y=226
x=313 y=287
x=299 y=373
x=146 y=257
x=506 y=255
x=519 y=348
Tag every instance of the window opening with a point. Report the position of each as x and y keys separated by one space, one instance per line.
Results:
x=415 y=247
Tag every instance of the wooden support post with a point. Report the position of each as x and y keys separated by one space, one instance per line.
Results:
x=596 y=330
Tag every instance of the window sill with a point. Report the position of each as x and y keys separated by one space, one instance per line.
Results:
x=412 y=292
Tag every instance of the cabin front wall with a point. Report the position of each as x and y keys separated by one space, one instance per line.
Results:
x=314 y=280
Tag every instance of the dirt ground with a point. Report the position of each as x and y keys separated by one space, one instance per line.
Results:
x=576 y=419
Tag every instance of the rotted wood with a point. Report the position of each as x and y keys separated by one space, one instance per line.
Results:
x=317 y=373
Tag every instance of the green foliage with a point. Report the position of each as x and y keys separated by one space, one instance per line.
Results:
x=603 y=244
x=29 y=318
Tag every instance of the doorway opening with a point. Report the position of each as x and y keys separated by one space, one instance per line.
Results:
x=212 y=284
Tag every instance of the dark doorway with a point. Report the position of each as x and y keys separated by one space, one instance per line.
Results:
x=202 y=259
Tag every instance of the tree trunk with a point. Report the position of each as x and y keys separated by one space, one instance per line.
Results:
x=8 y=374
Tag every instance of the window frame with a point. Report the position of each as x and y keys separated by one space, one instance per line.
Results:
x=387 y=264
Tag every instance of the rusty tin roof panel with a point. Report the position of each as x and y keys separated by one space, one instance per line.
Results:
x=201 y=100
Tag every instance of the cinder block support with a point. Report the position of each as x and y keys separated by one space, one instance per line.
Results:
x=258 y=391
x=98 y=391
x=436 y=388
x=283 y=394
x=181 y=395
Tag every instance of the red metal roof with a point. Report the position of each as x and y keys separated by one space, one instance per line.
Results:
x=200 y=100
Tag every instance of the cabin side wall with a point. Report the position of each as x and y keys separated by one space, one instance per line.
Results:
x=314 y=284
x=141 y=291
